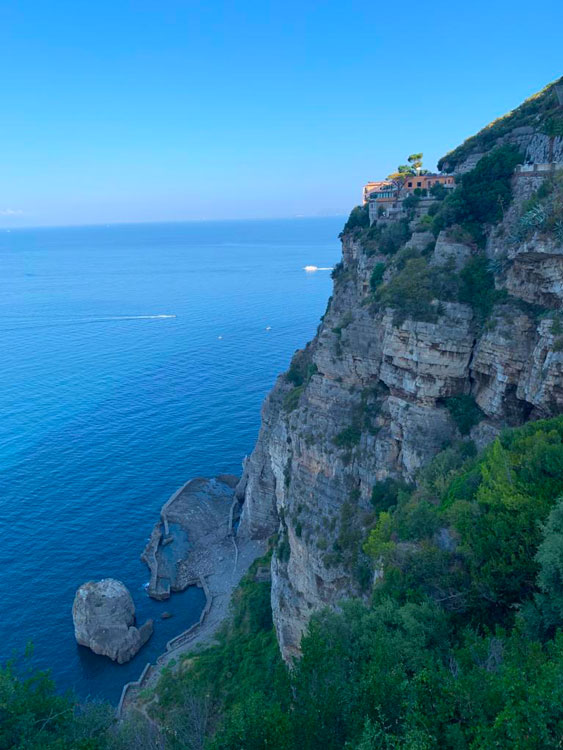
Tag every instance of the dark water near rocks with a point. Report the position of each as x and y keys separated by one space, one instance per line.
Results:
x=106 y=409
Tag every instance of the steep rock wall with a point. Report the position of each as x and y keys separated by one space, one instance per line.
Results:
x=367 y=399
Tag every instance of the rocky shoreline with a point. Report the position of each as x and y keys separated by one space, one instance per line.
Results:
x=195 y=543
x=193 y=521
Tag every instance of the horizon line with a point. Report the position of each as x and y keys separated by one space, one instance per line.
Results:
x=167 y=221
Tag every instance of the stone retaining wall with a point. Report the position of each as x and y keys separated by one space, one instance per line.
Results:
x=171 y=646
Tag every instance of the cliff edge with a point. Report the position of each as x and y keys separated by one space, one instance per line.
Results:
x=444 y=325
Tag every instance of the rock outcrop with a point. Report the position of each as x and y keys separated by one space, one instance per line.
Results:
x=368 y=399
x=104 y=620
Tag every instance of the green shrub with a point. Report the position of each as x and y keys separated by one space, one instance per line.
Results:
x=553 y=126
x=358 y=219
x=410 y=292
x=543 y=212
x=348 y=437
x=377 y=276
x=465 y=412
x=487 y=190
x=477 y=287
x=393 y=236
x=386 y=492
x=291 y=400
x=482 y=195
x=425 y=224
x=550 y=559
x=411 y=202
x=301 y=370
x=339 y=273
x=438 y=191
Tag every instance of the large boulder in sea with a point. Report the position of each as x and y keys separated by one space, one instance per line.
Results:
x=104 y=620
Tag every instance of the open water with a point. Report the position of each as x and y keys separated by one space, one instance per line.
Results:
x=133 y=358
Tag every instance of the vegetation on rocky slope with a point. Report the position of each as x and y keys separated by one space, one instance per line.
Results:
x=459 y=645
x=542 y=111
x=481 y=195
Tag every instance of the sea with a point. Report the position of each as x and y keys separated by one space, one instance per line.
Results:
x=134 y=357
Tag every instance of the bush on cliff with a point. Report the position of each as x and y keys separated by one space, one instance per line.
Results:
x=358 y=219
x=465 y=412
x=417 y=289
x=482 y=195
x=410 y=292
x=393 y=236
x=376 y=276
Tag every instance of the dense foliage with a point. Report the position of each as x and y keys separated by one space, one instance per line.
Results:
x=33 y=716
x=481 y=195
x=358 y=219
x=417 y=288
x=465 y=412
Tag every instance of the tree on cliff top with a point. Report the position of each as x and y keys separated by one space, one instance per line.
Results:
x=404 y=171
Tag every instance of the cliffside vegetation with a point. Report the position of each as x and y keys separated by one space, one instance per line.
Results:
x=543 y=211
x=459 y=644
x=541 y=111
x=481 y=195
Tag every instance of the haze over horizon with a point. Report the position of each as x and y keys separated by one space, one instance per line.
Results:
x=119 y=113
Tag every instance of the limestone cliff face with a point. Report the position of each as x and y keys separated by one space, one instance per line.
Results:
x=367 y=400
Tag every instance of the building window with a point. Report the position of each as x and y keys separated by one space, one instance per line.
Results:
x=419 y=184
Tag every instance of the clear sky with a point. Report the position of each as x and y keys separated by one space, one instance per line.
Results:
x=148 y=110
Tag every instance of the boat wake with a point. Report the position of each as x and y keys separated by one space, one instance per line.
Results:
x=130 y=317
x=30 y=323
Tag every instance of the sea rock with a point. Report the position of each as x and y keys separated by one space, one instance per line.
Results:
x=104 y=620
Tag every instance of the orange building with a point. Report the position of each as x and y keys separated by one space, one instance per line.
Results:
x=426 y=181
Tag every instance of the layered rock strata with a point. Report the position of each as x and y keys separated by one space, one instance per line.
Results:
x=370 y=402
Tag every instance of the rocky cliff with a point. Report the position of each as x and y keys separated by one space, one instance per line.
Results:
x=446 y=335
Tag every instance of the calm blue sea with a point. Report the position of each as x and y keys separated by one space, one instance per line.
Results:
x=107 y=408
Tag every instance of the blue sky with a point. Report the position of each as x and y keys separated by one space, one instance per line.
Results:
x=152 y=110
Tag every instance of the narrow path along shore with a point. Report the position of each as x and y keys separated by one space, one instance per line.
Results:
x=194 y=543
